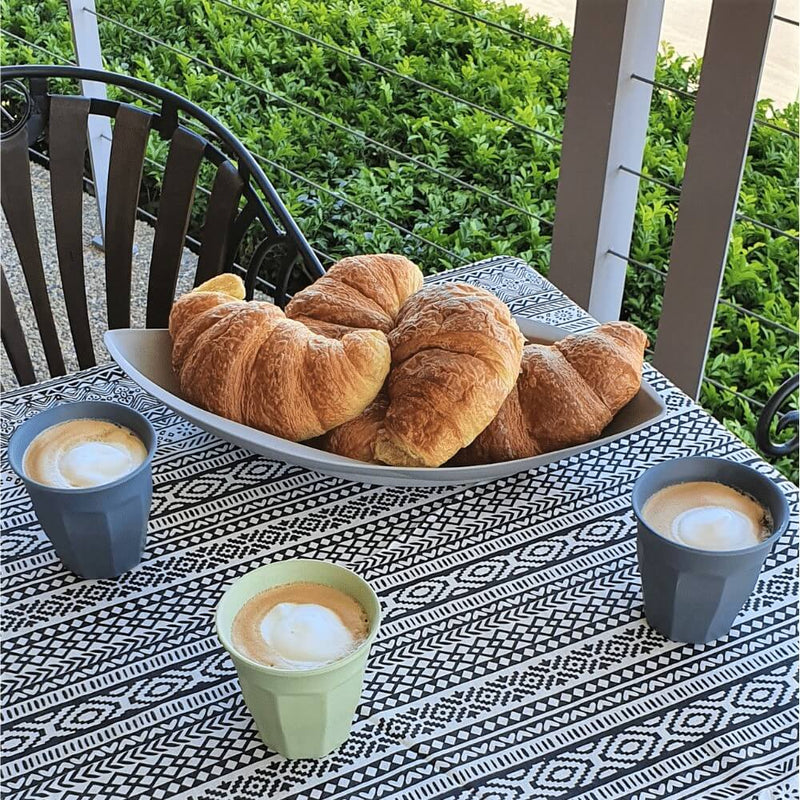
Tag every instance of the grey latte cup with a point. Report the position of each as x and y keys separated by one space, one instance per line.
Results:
x=693 y=595
x=97 y=532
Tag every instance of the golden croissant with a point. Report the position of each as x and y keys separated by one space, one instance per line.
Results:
x=456 y=354
x=566 y=394
x=357 y=292
x=248 y=362
x=356 y=438
x=456 y=349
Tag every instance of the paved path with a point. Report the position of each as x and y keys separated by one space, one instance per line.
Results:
x=684 y=27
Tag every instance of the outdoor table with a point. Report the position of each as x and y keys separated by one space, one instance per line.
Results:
x=513 y=660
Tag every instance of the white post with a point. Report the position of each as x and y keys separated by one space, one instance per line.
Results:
x=605 y=127
x=736 y=46
x=86 y=37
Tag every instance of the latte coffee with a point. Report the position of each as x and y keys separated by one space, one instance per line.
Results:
x=299 y=626
x=707 y=516
x=81 y=453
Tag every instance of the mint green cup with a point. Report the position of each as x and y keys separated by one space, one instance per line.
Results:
x=300 y=713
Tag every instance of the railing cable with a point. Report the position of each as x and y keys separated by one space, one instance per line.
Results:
x=721 y=386
x=739 y=216
x=665 y=86
x=498 y=26
x=759 y=224
x=303 y=109
x=740 y=309
x=347 y=201
x=650 y=178
x=389 y=71
x=767 y=124
x=44 y=50
x=640 y=264
x=766 y=320
x=692 y=96
x=724 y=388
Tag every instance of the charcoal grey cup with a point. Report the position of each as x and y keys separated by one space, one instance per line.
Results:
x=98 y=532
x=693 y=595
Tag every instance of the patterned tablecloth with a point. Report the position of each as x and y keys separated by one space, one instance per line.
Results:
x=513 y=660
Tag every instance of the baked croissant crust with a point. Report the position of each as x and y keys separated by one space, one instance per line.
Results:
x=357 y=292
x=566 y=394
x=248 y=362
x=356 y=438
x=552 y=405
x=456 y=354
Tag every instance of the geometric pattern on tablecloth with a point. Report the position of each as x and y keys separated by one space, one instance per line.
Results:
x=513 y=661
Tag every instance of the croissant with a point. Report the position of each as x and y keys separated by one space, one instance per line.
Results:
x=356 y=438
x=456 y=354
x=566 y=394
x=248 y=362
x=357 y=292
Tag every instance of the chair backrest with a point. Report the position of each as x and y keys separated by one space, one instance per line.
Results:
x=241 y=200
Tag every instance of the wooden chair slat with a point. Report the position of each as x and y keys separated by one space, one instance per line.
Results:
x=175 y=208
x=17 y=202
x=68 y=116
x=223 y=205
x=131 y=130
x=14 y=337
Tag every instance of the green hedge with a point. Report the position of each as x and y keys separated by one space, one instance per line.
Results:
x=515 y=78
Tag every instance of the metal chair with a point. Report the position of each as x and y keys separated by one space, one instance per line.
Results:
x=241 y=201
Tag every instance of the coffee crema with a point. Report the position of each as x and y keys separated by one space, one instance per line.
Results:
x=707 y=515
x=82 y=453
x=298 y=626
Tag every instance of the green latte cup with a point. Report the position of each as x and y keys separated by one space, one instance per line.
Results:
x=300 y=713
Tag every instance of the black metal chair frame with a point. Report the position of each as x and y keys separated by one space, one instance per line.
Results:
x=789 y=419
x=226 y=223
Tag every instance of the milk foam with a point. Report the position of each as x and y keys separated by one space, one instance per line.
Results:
x=707 y=516
x=82 y=453
x=305 y=634
x=714 y=528
x=297 y=626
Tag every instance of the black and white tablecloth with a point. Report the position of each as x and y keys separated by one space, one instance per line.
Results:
x=513 y=661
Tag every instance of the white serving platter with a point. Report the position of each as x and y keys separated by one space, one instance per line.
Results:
x=144 y=355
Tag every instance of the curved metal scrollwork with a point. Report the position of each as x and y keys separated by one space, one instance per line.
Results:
x=15 y=107
x=787 y=420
